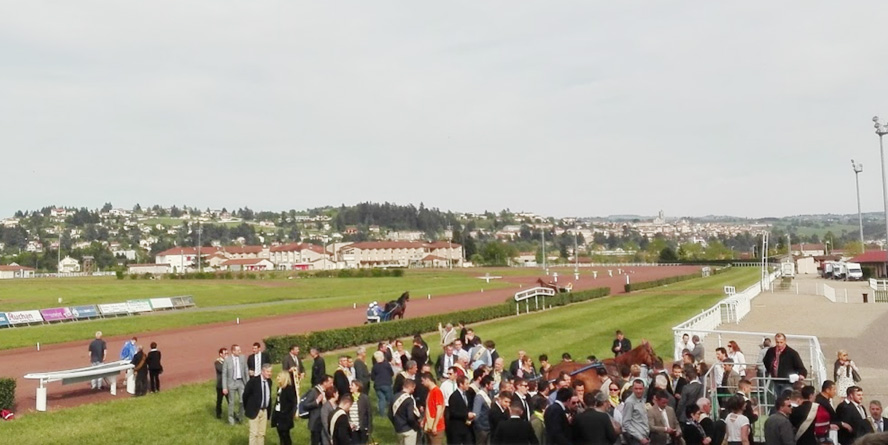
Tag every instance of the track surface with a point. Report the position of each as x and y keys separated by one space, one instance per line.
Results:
x=188 y=353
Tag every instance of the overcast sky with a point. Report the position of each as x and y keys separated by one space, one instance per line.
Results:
x=584 y=108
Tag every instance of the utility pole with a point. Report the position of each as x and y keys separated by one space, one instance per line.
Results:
x=450 y=247
x=199 y=259
x=543 y=232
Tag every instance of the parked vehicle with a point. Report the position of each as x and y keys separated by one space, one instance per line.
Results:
x=853 y=271
x=828 y=269
x=839 y=271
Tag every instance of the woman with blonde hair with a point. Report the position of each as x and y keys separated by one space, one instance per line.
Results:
x=284 y=408
x=845 y=372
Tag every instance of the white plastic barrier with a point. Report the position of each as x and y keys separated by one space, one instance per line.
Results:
x=105 y=371
x=535 y=293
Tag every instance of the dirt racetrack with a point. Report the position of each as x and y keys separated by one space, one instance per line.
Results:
x=188 y=353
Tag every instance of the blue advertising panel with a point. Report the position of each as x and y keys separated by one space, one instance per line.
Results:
x=85 y=311
x=3 y=321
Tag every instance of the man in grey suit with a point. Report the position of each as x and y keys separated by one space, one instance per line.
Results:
x=778 y=428
x=234 y=377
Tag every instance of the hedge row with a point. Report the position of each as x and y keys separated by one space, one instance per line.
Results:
x=662 y=281
x=331 y=339
x=7 y=393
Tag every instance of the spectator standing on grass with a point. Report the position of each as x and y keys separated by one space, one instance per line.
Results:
x=219 y=365
x=418 y=353
x=447 y=333
x=141 y=372
x=257 y=403
x=635 y=418
x=314 y=400
x=361 y=371
x=318 y=367
x=97 y=351
x=330 y=403
x=434 y=423
x=257 y=359
x=234 y=377
x=359 y=416
x=405 y=415
x=293 y=365
x=621 y=344
x=284 y=408
x=155 y=369
x=382 y=375
x=340 y=429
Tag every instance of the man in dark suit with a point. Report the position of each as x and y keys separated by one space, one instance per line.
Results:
x=678 y=381
x=824 y=399
x=555 y=418
x=802 y=418
x=340 y=431
x=257 y=359
x=852 y=412
x=340 y=376
x=522 y=397
x=257 y=403
x=594 y=426
x=879 y=423
x=493 y=353
x=318 y=367
x=314 y=398
x=418 y=352
x=513 y=367
x=514 y=430
x=690 y=393
x=621 y=344
x=362 y=372
x=499 y=410
x=293 y=364
x=459 y=417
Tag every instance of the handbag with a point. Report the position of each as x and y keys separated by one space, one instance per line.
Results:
x=855 y=375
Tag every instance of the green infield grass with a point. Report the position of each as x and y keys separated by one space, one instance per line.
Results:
x=185 y=414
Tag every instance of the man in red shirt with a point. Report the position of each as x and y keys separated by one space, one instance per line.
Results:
x=433 y=424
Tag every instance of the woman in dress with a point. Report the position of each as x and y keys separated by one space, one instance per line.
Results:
x=285 y=408
x=735 y=354
x=525 y=370
x=154 y=367
x=736 y=424
x=845 y=372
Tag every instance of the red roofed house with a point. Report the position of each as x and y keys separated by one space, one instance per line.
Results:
x=15 y=271
x=873 y=260
x=248 y=264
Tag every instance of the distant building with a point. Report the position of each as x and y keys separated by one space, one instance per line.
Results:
x=248 y=264
x=155 y=269
x=69 y=265
x=15 y=271
x=398 y=253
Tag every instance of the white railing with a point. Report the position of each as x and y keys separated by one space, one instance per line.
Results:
x=732 y=309
x=535 y=293
x=829 y=293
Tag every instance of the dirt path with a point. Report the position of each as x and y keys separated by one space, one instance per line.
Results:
x=188 y=353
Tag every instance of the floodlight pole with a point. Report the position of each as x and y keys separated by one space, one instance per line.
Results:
x=882 y=130
x=858 y=169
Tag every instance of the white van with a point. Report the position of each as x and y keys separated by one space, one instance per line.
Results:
x=853 y=271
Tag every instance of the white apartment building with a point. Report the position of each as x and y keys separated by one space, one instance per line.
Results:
x=398 y=253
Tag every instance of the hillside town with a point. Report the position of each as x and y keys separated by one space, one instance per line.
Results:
x=159 y=240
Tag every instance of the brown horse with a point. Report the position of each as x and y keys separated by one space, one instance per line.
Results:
x=642 y=354
x=396 y=308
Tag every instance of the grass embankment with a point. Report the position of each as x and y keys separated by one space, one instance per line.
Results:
x=218 y=300
x=185 y=414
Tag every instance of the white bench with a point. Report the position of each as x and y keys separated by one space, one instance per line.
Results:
x=108 y=371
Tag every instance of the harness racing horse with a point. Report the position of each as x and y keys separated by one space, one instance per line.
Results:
x=397 y=308
x=587 y=373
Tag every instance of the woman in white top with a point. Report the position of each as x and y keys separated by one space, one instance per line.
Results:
x=735 y=354
x=736 y=424
x=845 y=372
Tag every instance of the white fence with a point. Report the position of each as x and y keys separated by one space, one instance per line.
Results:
x=732 y=309
x=535 y=293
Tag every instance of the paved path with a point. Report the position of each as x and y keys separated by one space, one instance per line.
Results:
x=188 y=353
x=855 y=327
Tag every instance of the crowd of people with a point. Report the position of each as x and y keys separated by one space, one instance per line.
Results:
x=147 y=366
x=462 y=392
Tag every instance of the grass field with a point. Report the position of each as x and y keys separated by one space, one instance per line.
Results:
x=185 y=414
x=218 y=300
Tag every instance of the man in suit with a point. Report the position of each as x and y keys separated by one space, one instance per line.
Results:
x=698 y=353
x=878 y=422
x=621 y=344
x=362 y=372
x=802 y=418
x=594 y=426
x=257 y=403
x=513 y=367
x=318 y=367
x=852 y=412
x=340 y=431
x=481 y=407
x=499 y=411
x=257 y=359
x=314 y=398
x=405 y=415
x=555 y=419
x=341 y=377
x=493 y=353
x=459 y=417
x=418 y=352
x=293 y=364
x=663 y=423
x=778 y=428
x=444 y=362
x=514 y=430
x=824 y=399
x=234 y=378
x=692 y=391
x=522 y=397
x=706 y=421
x=678 y=381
